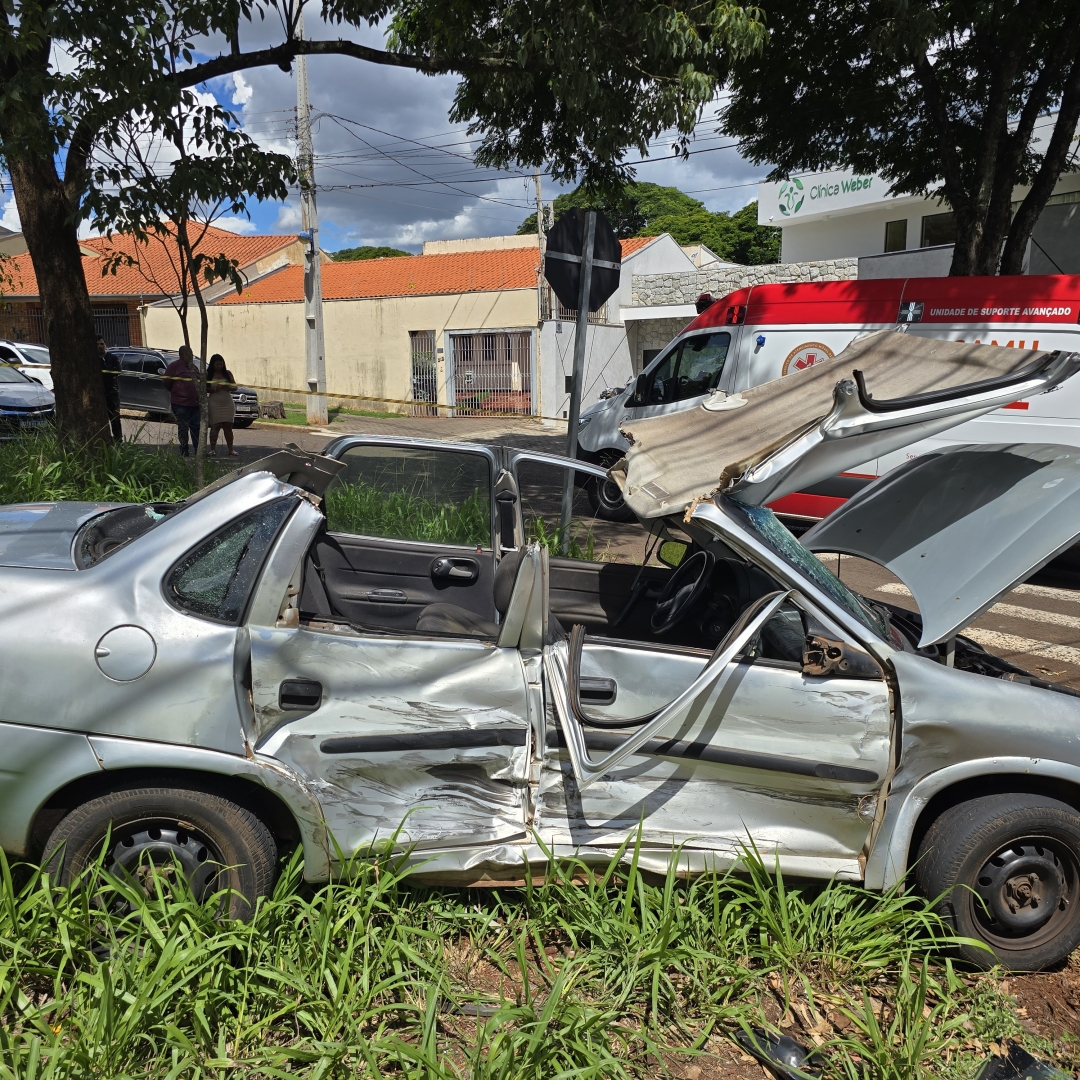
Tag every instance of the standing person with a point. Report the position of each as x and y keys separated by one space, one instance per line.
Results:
x=219 y=387
x=180 y=377
x=110 y=365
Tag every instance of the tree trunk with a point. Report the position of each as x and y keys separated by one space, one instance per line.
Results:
x=193 y=267
x=51 y=231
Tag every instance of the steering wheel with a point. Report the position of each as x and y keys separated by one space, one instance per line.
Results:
x=682 y=591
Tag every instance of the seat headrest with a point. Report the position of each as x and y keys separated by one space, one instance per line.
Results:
x=505 y=576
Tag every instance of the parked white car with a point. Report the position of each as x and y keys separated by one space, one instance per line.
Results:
x=33 y=361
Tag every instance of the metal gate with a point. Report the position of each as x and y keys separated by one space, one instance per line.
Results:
x=425 y=373
x=492 y=372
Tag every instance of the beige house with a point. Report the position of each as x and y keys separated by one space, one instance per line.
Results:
x=468 y=325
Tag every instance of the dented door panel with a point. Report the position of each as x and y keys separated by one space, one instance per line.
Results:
x=425 y=739
x=788 y=762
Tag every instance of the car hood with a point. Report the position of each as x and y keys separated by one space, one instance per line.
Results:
x=41 y=534
x=961 y=526
x=883 y=392
x=23 y=395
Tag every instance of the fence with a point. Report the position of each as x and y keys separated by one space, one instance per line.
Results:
x=115 y=323
x=425 y=374
x=551 y=308
x=491 y=372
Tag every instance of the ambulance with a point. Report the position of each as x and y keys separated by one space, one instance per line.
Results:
x=767 y=331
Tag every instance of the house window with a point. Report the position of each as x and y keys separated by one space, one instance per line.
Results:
x=896 y=235
x=938 y=229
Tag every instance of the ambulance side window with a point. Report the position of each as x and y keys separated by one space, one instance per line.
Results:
x=701 y=363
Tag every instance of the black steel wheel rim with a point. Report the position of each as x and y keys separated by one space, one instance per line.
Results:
x=1027 y=893
x=609 y=495
x=169 y=846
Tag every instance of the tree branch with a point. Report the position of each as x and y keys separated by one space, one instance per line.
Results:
x=1053 y=165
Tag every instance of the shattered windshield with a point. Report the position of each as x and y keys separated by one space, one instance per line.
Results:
x=764 y=524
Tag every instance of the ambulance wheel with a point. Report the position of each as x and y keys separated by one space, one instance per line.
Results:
x=605 y=498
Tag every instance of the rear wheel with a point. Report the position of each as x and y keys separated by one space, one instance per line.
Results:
x=605 y=498
x=212 y=842
x=1007 y=871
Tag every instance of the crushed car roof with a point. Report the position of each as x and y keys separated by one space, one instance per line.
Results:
x=883 y=392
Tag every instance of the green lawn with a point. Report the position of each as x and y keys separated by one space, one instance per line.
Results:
x=614 y=976
x=297 y=414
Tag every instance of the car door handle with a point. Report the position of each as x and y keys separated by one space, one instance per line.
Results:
x=594 y=691
x=295 y=695
x=387 y=596
x=460 y=571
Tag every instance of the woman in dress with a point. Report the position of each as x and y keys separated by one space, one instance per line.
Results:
x=219 y=386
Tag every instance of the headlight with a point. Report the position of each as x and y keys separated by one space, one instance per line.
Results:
x=583 y=420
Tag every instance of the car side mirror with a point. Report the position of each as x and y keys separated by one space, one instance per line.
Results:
x=640 y=390
x=825 y=654
x=672 y=552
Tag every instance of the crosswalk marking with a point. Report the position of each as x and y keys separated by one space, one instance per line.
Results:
x=1036 y=615
x=1010 y=643
x=1068 y=595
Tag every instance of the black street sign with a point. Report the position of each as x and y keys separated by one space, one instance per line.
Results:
x=562 y=263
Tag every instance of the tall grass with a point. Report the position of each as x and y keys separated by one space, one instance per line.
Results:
x=538 y=531
x=374 y=976
x=40 y=467
x=360 y=507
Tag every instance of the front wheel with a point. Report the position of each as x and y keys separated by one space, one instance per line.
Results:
x=1005 y=870
x=604 y=496
x=213 y=843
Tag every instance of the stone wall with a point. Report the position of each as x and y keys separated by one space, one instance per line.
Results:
x=654 y=290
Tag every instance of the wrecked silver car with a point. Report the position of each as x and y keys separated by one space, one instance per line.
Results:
x=364 y=648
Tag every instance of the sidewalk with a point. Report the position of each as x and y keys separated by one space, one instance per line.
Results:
x=264 y=437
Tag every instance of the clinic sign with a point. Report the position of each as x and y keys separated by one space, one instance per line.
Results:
x=801 y=197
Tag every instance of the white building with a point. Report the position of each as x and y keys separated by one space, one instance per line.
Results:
x=841 y=214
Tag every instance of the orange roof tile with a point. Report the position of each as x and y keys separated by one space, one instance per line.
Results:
x=153 y=273
x=410 y=275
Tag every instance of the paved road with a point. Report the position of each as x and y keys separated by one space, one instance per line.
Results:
x=1036 y=626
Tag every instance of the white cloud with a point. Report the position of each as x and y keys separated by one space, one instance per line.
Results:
x=233 y=224
x=10 y=217
x=288 y=219
x=242 y=91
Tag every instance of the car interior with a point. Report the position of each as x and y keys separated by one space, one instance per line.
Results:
x=434 y=568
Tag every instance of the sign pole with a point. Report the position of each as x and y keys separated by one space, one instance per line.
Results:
x=579 y=369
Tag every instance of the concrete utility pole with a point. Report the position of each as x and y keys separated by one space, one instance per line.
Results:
x=587 y=254
x=541 y=283
x=314 y=348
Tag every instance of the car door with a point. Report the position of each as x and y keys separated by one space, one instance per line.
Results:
x=405 y=737
x=130 y=380
x=749 y=750
x=689 y=370
x=409 y=523
x=153 y=388
x=598 y=577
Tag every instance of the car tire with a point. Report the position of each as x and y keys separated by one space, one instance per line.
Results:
x=219 y=844
x=243 y=423
x=1005 y=870
x=604 y=496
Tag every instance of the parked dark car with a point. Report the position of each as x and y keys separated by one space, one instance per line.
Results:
x=141 y=385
